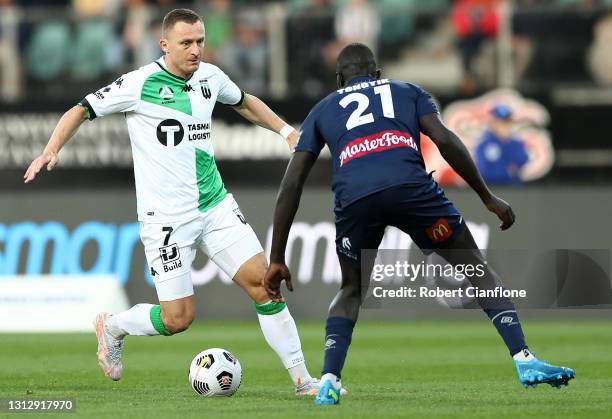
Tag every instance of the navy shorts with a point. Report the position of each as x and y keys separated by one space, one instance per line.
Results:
x=422 y=211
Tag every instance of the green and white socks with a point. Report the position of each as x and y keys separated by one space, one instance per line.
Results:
x=276 y=323
x=280 y=332
x=140 y=320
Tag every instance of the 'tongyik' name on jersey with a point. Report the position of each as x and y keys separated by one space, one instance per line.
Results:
x=364 y=85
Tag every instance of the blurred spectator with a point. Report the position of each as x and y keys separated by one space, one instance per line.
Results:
x=245 y=57
x=522 y=51
x=474 y=22
x=357 y=21
x=77 y=41
x=49 y=43
x=500 y=155
x=311 y=48
x=10 y=74
x=583 y=5
x=136 y=37
x=87 y=51
x=150 y=49
x=86 y=9
x=354 y=21
x=96 y=49
x=599 y=58
x=142 y=29
x=219 y=27
x=397 y=17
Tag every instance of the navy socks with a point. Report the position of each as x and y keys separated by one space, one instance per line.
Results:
x=338 y=335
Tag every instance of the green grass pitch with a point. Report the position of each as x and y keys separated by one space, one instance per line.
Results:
x=408 y=369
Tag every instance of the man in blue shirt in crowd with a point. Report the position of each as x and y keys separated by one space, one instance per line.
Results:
x=500 y=155
x=372 y=127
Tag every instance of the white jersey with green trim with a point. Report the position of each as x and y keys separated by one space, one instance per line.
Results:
x=169 y=123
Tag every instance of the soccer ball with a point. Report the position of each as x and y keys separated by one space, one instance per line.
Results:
x=215 y=372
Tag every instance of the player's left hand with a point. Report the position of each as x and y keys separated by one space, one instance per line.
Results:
x=503 y=210
x=47 y=158
x=292 y=140
x=276 y=273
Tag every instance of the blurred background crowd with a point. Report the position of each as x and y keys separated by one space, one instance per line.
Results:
x=547 y=61
x=275 y=49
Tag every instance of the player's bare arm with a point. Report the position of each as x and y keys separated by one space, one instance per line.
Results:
x=458 y=157
x=287 y=204
x=67 y=126
x=256 y=111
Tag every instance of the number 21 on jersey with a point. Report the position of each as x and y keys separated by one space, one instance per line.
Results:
x=358 y=117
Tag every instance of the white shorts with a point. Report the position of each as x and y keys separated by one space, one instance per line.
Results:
x=221 y=232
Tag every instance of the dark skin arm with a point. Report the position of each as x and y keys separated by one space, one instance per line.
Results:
x=458 y=157
x=287 y=204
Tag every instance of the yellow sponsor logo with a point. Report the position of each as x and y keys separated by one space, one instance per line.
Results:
x=439 y=232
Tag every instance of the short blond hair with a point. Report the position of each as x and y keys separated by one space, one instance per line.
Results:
x=179 y=15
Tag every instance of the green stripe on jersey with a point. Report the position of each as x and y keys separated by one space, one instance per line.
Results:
x=209 y=180
x=163 y=89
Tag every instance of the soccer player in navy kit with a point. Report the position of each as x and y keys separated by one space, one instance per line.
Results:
x=372 y=128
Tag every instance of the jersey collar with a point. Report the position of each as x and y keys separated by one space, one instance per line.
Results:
x=162 y=64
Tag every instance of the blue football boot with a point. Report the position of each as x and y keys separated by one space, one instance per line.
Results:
x=534 y=372
x=328 y=394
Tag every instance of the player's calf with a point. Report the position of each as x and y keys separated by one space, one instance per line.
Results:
x=177 y=323
x=177 y=315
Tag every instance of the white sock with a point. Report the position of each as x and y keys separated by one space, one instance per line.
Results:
x=299 y=373
x=523 y=355
x=281 y=334
x=136 y=322
x=334 y=380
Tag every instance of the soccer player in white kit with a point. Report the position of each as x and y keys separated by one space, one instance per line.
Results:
x=182 y=202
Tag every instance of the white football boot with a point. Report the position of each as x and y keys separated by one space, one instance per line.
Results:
x=311 y=388
x=109 y=349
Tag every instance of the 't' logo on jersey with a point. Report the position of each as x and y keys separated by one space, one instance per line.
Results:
x=170 y=132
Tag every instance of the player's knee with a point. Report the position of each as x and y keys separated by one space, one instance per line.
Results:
x=178 y=322
x=256 y=292
x=250 y=278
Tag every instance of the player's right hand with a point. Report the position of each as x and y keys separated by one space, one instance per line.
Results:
x=47 y=158
x=503 y=210
x=292 y=140
x=276 y=273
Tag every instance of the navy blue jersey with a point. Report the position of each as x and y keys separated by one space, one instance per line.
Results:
x=372 y=130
